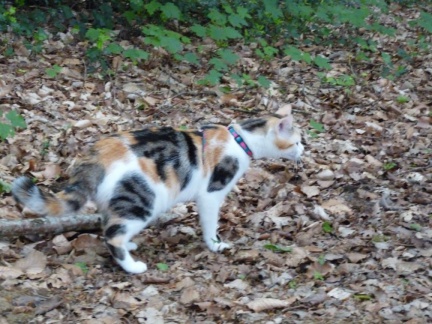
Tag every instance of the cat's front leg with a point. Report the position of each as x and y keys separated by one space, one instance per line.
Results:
x=208 y=207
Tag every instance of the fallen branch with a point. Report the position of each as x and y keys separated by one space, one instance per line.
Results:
x=51 y=225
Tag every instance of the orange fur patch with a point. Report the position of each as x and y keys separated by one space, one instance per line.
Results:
x=216 y=140
x=130 y=139
x=172 y=180
x=54 y=207
x=110 y=150
x=282 y=144
x=148 y=167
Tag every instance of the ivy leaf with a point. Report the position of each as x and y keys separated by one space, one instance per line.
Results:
x=171 y=11
x=16 y=119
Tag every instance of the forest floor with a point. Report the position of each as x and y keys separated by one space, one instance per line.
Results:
x=357 y=216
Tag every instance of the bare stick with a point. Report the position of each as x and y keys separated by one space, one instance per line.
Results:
x=51 y=225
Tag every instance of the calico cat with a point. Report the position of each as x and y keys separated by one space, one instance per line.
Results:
x=134 y=176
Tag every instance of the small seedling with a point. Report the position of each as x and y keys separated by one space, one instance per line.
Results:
x=162 y=266
x=380 y=238
x=292 y=284
x=402 y=99
x=362 y=297
x=389 y=166
x=327 y=227
x=54 y=71
x=316 y=128
x=83 y=266
x=321 y=259
x=318 y=276
x=278 y=248
x=416 y=227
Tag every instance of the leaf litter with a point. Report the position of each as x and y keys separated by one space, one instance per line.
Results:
x=366 y=176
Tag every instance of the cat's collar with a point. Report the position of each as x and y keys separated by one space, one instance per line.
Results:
x=240 y=141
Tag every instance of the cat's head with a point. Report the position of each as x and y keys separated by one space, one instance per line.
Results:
x=273 y=137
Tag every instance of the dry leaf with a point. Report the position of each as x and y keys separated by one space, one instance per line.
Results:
x=262 y=304
x=33 y=263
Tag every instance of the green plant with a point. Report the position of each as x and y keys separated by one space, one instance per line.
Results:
x=321 y=259
x=402 y=99
x=293 y=284
x=13 y=122
x=362 y=297
x=162 y=266
x=278 y=248
x=389 y=166
x=4 y=187
x=53 y=71
x=318 y=276
x=83 y=266
x=379 y=238
x=316 y=128
x=327 y=227
x=416 y=227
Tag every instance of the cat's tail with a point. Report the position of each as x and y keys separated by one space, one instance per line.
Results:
x=43 y=203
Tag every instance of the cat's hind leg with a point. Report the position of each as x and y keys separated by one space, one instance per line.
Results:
x=118 y=233
x=129 y=210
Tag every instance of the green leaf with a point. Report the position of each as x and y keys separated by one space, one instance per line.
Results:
x=53 y=71
x=278 y=248
x=162 y=266
x=416 y=227
x=6 y=131
x=92 y=34
x=16 y=119
x=222 y=33
x=199 y=30
x=113 y=48
x=228 y=56
x=272 y=7
x=386 y=58
x=212 y=78
x=317 y=126
x=263 y=81
x=191 y=58
x=425 y=21
x=318 y=276
x=327 y=227
x=218 y=64
x=294 y=53
x=217 y=17
x=136 y=54
x=4 y=187
x=171 y=11
x=362 y=297
x=83 y=266
x=322 y=62
x=152 y=7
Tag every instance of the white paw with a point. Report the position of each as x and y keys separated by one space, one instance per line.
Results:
x=219 y=246
x=135 y=267
x=131 y=246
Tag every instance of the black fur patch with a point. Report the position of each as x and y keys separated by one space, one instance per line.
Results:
x=114 y=230
x=223 y=173
x=133 y=199
x=118 y=253
x=168 y=147
x=252 y=124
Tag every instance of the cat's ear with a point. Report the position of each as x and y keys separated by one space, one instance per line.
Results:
x=286 y=124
